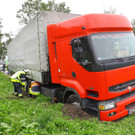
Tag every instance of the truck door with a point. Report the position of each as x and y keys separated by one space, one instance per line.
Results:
x=64 y=60
x=82 y=62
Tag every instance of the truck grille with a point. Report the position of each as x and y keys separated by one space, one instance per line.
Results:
x=122 y=86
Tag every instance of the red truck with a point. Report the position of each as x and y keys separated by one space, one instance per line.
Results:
x=90 y=62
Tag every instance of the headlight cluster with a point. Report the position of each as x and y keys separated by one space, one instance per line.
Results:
x=106 y=105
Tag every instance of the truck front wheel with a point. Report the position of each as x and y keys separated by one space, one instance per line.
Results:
x=74 y=99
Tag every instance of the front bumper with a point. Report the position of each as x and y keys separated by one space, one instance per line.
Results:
x=118 y=112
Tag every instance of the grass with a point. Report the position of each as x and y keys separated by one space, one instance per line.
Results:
x=39 y=117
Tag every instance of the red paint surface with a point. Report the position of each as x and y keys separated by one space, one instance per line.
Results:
x=62 y=63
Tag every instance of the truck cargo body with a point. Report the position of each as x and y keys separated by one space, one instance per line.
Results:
x=91 y=61
x=29 y=50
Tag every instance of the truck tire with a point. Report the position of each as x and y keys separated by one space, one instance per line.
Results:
x=28 y=86
x=74 y=99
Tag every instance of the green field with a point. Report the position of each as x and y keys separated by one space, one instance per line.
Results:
x=39 y=117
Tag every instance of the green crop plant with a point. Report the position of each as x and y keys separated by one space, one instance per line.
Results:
x=40 y=117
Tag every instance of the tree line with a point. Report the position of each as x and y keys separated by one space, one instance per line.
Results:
x=29 y=10
x=3 y=44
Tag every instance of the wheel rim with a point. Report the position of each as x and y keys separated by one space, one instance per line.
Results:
x=77 y=104
x=28 y=86
x=74 y=99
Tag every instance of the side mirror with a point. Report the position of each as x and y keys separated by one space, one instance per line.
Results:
x=77 y=49
x=71 y=43
x=75 y=42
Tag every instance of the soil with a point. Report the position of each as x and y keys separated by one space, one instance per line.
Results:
x=25 y=94
x=76 y=112
x=9 y=97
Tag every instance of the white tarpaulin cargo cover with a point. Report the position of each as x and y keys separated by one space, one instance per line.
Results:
x=29 y=50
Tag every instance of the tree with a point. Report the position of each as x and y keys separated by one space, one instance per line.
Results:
x=133 y=24
x=31 y=7
x=0 y=30
x=8 y=39
x=111 y=10
x=52 y=6
x=1 y=36
x=3 y=44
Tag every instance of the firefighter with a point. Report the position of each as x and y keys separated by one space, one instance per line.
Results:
x=34 y=90
x=18 y=80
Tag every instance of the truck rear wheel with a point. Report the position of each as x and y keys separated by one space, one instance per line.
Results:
x=74 y=99
x=28 y=86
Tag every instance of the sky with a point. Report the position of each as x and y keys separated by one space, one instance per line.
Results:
x=9 y=8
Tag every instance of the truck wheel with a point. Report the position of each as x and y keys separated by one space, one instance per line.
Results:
x=28 y=86
x=74 y=99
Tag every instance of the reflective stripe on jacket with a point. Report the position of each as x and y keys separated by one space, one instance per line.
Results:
x=35 y=89
x=19 y=76
x=36 y=93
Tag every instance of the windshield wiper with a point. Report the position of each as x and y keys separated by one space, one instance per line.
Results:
x=120 y=59
x=132 y=57
x=116 y=60
x=113 y=60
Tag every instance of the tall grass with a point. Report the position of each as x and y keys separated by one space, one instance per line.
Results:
x=40 y=117
x=6 y=86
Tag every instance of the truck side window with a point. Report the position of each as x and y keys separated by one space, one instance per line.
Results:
x=81 y=51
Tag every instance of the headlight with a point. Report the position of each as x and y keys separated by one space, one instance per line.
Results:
x=106 y=105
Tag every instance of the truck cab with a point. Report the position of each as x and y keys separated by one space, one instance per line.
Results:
x=93 y=58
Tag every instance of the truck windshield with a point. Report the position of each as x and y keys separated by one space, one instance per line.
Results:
x=113 y=45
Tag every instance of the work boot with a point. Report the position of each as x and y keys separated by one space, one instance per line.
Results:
x=15 y=94
x=21 y=97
